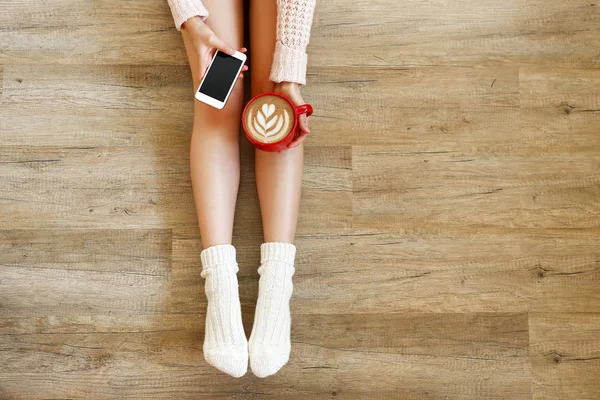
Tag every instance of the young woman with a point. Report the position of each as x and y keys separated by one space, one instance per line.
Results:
x=279 y=34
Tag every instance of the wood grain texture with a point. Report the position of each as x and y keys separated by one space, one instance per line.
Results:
x=94 y=271
x=430 y=355
x=441 y=32
x=448 y=238
x=565 y=355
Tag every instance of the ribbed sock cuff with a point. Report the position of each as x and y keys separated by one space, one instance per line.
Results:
x=214 y=256
x=276 y=251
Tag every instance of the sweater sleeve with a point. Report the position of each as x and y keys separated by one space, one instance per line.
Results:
x=294 y=20
x=184 y=9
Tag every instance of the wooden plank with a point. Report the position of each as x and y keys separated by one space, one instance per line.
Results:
x=402 y=187
x=98 y=32
x=326 y=204
x=561 y=113
x=101 y=187
x=565 y=355
x=571 y=90
x=418 y=105
x=89 y=106
x=428 y=270
x=570 y=286
x=488 y=128
x=439 y=32
x=403 y=356
x=468 y=87
x=560 y=129
x=88 y=250
x=406 y=356
x=58 y=272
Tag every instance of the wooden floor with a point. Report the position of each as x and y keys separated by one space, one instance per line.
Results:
x=449 y=238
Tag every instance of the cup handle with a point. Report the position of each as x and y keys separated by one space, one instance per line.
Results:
x=304 y=109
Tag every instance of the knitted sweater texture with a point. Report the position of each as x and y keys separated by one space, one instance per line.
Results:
x=294 y=20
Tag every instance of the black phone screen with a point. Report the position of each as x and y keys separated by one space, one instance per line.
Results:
x=220 y=76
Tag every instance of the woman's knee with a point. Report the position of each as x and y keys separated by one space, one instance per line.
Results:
x=261 y=86
x=208 y=118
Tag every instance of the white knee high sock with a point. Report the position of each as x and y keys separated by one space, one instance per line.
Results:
x=270 y=339
x=225 y=343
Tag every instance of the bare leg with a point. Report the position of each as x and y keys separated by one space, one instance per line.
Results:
x=278 y=180
x=214 y=150
x=278 y=175
x=215 y=171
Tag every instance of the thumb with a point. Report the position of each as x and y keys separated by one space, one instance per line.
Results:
x=303 y=121
x=221 y=45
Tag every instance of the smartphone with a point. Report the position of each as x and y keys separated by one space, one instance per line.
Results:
x=219 y=79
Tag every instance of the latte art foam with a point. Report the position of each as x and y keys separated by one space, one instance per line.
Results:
x=269 y=119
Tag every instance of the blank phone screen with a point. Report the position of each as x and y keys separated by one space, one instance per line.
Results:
x=220 y=76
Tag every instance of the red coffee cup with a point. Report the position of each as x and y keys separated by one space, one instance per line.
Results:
x=282 y=143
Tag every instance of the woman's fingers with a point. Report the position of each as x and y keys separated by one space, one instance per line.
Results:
x=244 y=69
x=304 y=131
x=303 y=121
x=293 y=93
x=298 y=141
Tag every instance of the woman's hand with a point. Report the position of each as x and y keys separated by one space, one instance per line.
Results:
x=292 y=91
x=200 y=45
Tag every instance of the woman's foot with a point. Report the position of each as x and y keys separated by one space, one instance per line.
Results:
x=270 y=339
x=225 y=343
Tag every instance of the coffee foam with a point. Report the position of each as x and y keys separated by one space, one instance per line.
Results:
x=269 y=119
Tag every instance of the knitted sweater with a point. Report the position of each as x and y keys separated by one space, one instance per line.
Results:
x=294 y=19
